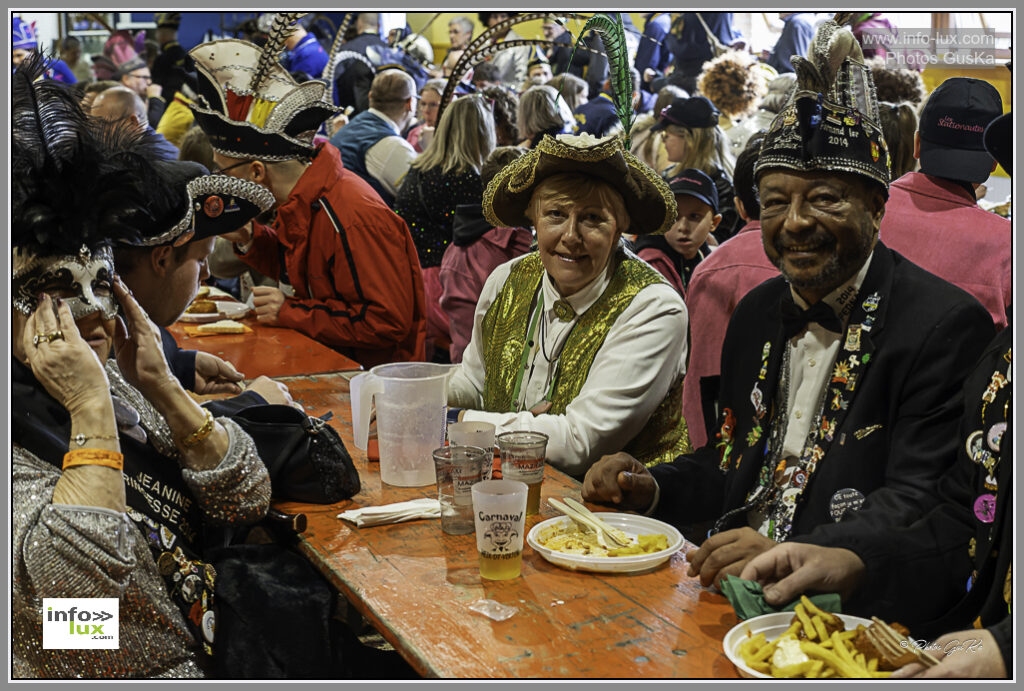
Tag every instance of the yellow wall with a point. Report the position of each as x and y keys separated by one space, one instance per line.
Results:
x=437 y=32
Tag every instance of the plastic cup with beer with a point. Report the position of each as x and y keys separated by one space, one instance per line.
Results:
x=471 y=433
x=499 y=512
x=458 y=468
x=522 y=458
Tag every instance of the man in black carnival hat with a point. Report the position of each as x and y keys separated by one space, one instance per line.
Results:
x=840 y=378
x=346 y=260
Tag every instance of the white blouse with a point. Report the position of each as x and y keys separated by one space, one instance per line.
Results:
x=642 y=355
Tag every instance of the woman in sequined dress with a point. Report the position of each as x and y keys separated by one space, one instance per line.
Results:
x=118 y=475
x=445 y=175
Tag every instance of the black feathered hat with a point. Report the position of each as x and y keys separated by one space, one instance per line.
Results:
x=248 y=104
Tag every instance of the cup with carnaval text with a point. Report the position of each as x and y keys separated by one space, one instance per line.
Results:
x=458 y=468
x=522 y=458
x=499 y=512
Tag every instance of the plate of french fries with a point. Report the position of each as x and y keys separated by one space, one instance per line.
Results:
x=808 y=643
x=203 y=310
x=564 y=543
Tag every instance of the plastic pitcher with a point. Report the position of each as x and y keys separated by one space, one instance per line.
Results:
x=411 y=400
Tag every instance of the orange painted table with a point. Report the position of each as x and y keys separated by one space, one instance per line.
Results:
x=414 y=584
x=269 y=350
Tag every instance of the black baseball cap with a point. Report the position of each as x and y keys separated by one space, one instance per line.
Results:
x=688 y=112
x=952 y=129
x=695 y=183
x=998 y=140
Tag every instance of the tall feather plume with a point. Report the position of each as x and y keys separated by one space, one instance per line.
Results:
x=481 y=48
x=76 y=181
x=332 y=56
x=279 y=31
x=613 y=35
x=832 y=44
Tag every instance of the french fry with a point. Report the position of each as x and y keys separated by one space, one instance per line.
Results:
x=843 y=667
x=815 y=670
x=790 y=671
x=842 y=651
x=873 y=665
x=819 y=626
x=806 y=621
x=861 y=662
x=814 y=609
x=765 y=652
x=827 y=672
x=762 y=667
x=793 y=629
x=751 y=644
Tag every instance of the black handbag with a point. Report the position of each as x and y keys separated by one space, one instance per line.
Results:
x=306 y=459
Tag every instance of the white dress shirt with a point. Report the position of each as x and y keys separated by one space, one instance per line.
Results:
x=642 y=355
x=388 y=160
x=812 y=353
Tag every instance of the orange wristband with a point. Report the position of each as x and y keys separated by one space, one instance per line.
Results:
x=108 y=459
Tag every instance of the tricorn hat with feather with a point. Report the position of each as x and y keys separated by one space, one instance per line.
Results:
x=831 y=121
x=248 y=104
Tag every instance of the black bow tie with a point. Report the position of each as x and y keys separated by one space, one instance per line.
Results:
x=795 y=319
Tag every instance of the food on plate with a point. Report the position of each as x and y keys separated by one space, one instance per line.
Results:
x=816 y=646
x=572 y=539
x=891 y=655
x=202 y=307
x=224 y=326
x=203 y=292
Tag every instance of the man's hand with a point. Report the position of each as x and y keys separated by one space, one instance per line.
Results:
x=273 y=392
x=267 y=301
x=649 y=74
x=154 y=91
x=214 y=375
x=619 y=479
x=792 y=568
x=726 y=553
x=970 y=654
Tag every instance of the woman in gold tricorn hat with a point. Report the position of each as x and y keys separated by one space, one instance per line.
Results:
x=580 y=340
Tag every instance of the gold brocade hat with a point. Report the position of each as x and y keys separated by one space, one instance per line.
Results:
x=649 y=201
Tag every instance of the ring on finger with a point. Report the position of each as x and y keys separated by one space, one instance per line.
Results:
x=47 y=337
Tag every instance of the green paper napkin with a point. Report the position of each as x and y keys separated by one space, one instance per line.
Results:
x=747 y=598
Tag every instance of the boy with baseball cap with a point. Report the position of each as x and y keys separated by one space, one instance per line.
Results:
x=676 y=253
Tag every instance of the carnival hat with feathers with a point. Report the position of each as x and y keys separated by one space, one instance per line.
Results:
x=831 y=122
x=77 y=181
x=248 y=104
x=649 y=201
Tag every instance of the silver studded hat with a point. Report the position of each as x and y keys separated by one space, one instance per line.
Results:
x=831 y=122
x=250 y=106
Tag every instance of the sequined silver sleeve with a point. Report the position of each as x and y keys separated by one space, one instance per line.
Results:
x=238 y=490
x=71 y=551
x=83 y=551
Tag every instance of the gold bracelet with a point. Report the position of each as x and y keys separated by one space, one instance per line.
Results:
x=200 y=434
x=82 y=437
x=108 y=459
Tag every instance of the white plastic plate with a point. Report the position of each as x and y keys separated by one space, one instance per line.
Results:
x=225 y=310
x=630 y=524
x=772 y=626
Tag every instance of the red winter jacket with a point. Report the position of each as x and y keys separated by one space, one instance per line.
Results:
x=358 y=286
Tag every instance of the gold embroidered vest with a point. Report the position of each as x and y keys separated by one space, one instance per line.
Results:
x=504 y=332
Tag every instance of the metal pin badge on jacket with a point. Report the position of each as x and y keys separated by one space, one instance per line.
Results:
x=847 y=499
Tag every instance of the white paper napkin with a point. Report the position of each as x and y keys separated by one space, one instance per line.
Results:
x=393 y=513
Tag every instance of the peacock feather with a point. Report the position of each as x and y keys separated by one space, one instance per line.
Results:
x=613 y=35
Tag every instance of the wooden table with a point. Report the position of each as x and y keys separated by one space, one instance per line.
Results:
x=414 y=584
x=271 y=351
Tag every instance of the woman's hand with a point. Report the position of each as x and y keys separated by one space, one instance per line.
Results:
x=66 y=366
x=139 y=349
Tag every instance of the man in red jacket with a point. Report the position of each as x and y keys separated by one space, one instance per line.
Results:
x=348 y=272
x=933 y=218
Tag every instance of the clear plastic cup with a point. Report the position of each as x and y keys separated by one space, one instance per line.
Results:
x=499 y=512
x=458 y=468
x=522 y=458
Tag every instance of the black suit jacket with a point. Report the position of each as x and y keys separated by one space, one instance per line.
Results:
x=932 y=556
x=898 y=433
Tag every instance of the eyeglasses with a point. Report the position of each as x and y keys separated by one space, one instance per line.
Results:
x=221 y=171
x=146 y=77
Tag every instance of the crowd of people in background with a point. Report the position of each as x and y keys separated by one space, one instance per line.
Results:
x=448 y=200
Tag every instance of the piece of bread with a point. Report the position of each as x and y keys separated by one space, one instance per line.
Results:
x=224 y=326
x=202 y=307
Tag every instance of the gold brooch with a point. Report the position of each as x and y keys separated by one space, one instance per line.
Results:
x=563 y=310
